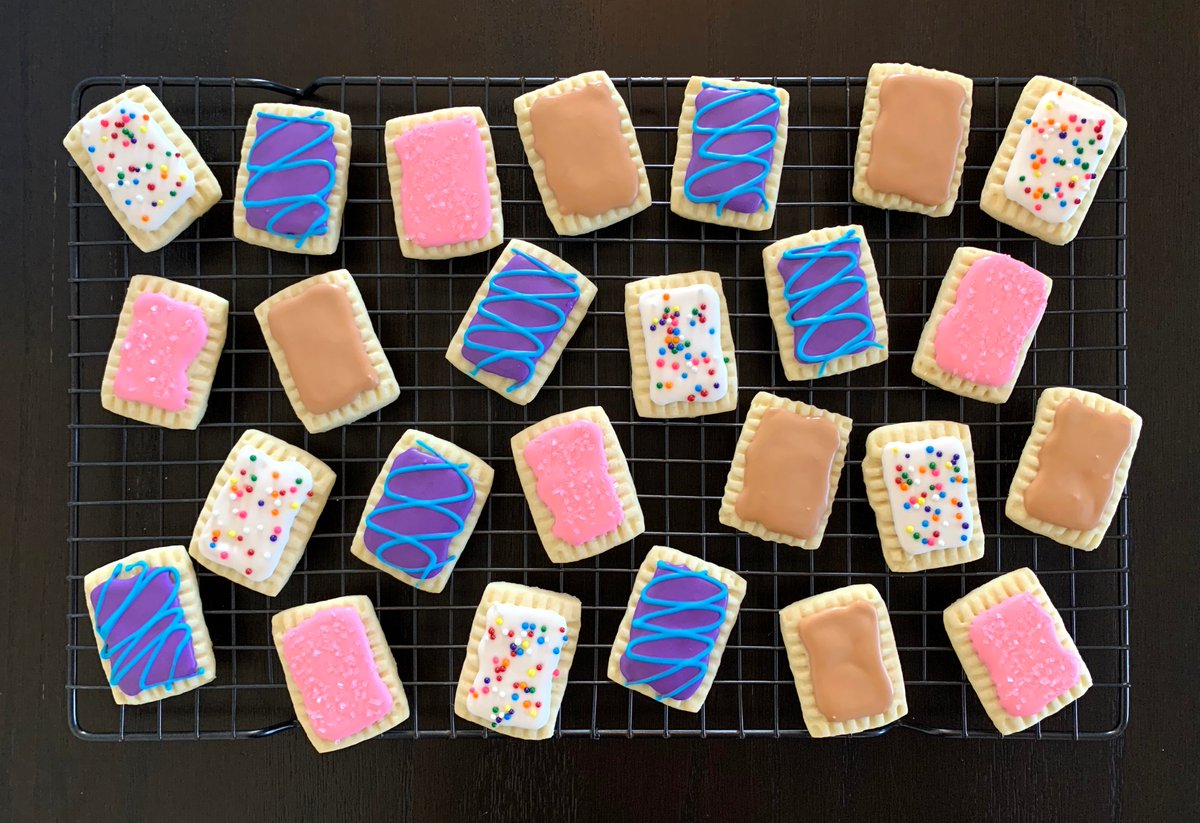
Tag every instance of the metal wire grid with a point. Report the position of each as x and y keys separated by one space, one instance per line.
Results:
x=135 y=486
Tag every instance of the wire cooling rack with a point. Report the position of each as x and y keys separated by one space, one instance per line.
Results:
x=135 y=486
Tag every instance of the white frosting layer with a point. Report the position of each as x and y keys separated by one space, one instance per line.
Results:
x=926 y=484
x=683 y=351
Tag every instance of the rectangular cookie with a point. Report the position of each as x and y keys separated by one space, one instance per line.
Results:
x=785 y=471
x=982 y=325
x=1003 y=633
x=434 y=492
x=340 y=671
x=915 y=474
x=329 y=360
x=149 y=626
x=730 y=175
x=843 y=656
x=291 y=186
x=143 y=166
x=262 y=509
x=522 y=317
x=164 y=355
x=442 y=169
x=823 y=295
x=1079 y=134
x=1074 y=467
x=912 y=142
x=545 y=626
x=680 y=345
x=584 y=153
x=678 y=602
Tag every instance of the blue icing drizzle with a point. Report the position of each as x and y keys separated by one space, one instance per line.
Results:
x=726 y=161
x=289 y=162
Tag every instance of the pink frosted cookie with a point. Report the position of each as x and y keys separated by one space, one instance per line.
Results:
x=442 y=169
x=340 y=671
x=1016 y=651
x=578 y=484
x=982 y=325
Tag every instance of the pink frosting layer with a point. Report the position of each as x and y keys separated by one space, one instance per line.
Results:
x=573 y=481
x=1017 y=643
x=998 y=305
x=162 y=341
x=444 y=195
x=330 y=660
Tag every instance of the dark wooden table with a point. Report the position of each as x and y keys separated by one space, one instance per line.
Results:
x=1150 y=49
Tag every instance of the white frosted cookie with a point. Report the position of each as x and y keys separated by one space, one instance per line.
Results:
x=521 y=319
x=328 y=356
x=164 y=355
x=291 y=186
x=518 y=658
x=1058 y=145
x=260 y=513
x=442 y=169
x=680 y=345
x=143 y=166
x=584 y=153
x=729 y=159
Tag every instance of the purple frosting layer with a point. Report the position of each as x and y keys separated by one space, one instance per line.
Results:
x=292 y=180
x=829 y=337
x=723 y=180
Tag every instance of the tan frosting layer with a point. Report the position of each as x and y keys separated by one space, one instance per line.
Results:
x=848 y=676
x=914 y=147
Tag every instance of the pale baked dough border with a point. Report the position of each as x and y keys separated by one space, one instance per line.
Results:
x=481 y=475
x=398 y=126
x=366 y=402
x=633 y=524
x=545 y=363
x=995 y=202
x=385 y=666
x=302 y=528
x=958 y=618
x=200 y=373
x=208 y=190
x=924 y=362
x=789 y=625
x=317 y=244
x=737 y=592
x=763 y=401
x=793 y=369
x=193 y=612
x=1027 y=468
x=533 y=598
x=863 y=192
x=760 y=220
x=574 y=224
x=646 y=407
x=897 y=558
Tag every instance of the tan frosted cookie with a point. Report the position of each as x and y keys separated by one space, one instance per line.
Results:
x=785 y=471
x=149 y=626
x=518 y=695
x=143 y=166
x=982 y=325
x=713 y=184
x=578 y=485
x=843 y=656
x=912 y=142
x=422 y=510
x=815 y=342
x=329 y=360
x=584 y=153
x=260 y=513
x=1058 y=145
x=701 y=593
x=680 y=345
x=164 y=355
x=1074 y=466
x=1016 y=651
x=529 y=293
x=281 y=203
x=442 y=169
x=340 y=671
x=920 y=480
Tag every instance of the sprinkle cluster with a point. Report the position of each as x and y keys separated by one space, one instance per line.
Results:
x=926 y=486
x=517 y=666
x=683 y=345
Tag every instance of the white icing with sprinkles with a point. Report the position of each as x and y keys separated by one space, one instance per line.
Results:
x=926 y=484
